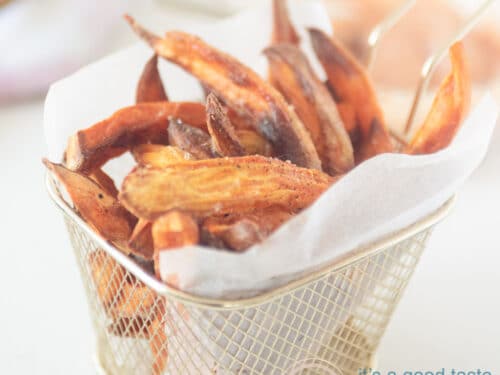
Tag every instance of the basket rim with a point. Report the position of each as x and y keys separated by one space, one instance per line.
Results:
x=168 y=291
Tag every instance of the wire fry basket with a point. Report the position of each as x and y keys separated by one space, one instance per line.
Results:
x=329 y=322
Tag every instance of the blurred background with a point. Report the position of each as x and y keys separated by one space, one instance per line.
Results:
x=449 y=316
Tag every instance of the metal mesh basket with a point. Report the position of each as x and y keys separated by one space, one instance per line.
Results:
x=328 y=322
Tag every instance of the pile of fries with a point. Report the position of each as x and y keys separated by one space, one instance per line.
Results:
x=228 y=172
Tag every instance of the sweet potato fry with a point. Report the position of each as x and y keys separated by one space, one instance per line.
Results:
x=158 y=344
x=108 y=277
x=104 y=181
x=449 y=108
x=173 y=230
x=136 y=300
x=254 y=143
x=190 y=139
x=159 y=156
x=96 y=206
x=135 y=327
x=141 y=240
x=150 y=87
x=239 y=88
x=351 y=87
x=220 y=186
x=224 y=138
x=239 y=232
x=293 y=76
x=143 y=123
x=283 y=30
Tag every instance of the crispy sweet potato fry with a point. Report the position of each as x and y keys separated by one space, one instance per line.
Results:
x=254 y=143
x=96 y=206
x=159 y=155
x=150 y=87
x=351 y=87
x=224 y=138
x=143 y=123
x=220 y=186
x=104 y=181
x=241 y=89
x=283 y=30
x=141 y=240
x=173 y=230
x=449 y=108
x=108 y=277
x=239 y=232
x=190 y=139
x=294 y=77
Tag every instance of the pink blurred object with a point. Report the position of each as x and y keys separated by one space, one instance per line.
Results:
x=42 y=41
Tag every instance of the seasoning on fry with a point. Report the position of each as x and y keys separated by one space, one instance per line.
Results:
x=220 y=186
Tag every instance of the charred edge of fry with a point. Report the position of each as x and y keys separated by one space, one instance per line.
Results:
x=104 y=181
x=314 y=106
x=142 y=123
x=283 y=30
x=239 y=232
x=224 y=138
x=240 y=88
x=190 y=139
x=150 y=87
x=448 y=110
x=353 y=89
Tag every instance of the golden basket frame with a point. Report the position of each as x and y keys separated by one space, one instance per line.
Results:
x=328 y=322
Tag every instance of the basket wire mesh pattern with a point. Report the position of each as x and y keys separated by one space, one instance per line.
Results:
x=329 y=324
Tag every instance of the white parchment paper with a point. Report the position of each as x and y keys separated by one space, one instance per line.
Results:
x=378 y=197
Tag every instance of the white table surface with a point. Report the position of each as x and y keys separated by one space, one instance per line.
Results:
x=449 y=316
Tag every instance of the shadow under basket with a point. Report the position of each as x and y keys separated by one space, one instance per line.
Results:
x=329 y=322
